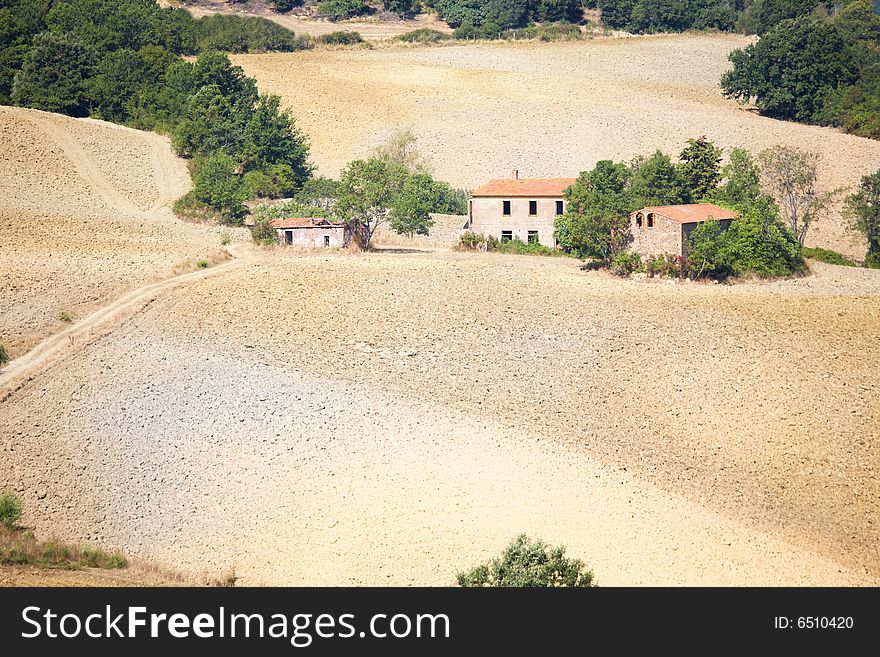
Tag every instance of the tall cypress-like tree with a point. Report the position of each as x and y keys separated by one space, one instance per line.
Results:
x=700 y=168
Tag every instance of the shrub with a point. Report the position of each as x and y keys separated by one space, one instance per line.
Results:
x=422 y=35
x=827 y=256
x=202 y=264
x=341 y=38
x=243 y=34
x=625 y=264
x=10 y=510
x=4 y=355
x=470 y=241
x=545 y=32
x=342 y=9
x=527 y=563
x=872 y=260
x=65 y=317
x=19 y=546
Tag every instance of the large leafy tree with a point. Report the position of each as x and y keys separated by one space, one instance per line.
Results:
x=863 y=209
x=366 y=193
x=596 y=222
x=410 y=210
x=792 y=69
x=656 y=181
x=55 y=76
x=700 y=168
x=742 y=180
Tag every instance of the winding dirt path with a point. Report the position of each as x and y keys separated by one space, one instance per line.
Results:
x=59 y=345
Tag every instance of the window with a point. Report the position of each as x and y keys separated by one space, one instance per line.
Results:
x=506 y=235
x=560 y=207
x=650 y=220
x=505 y=208
x=533 y=208
x=533 y=237
x=639 y=218
x=326 y=241
x=288 y=237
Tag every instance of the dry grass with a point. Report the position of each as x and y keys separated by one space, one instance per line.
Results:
x=19 y=546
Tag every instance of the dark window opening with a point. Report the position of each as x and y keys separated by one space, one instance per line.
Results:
x=639 y=220
x=560 y=209
x=533 y=237
x=326 y=241
x=288 y=237
x=533 y=208
x=506 y=235
x=505 y=208
x=650 y=220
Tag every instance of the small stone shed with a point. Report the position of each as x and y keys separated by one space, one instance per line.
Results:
x=311 y=232
x=660 y=230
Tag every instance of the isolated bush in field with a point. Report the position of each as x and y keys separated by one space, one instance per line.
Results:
x=4 y=356
x=10 y=510
x=827 y=256
x=422 y=35
x=626 y=264
x=341 y=9
x=341 y=38
x=527 y=563
x=863 y=211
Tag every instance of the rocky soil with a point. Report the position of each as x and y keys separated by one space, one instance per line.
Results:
x=336 y=419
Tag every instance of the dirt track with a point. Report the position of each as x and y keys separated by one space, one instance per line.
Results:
x=85 y=216
x=547 y=109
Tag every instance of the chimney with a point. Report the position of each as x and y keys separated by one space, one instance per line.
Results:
x=515 y=174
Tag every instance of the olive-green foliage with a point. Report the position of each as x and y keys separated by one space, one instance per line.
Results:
x=398 y=6
x=341 y=9
x=366 y=193
x=700 y=169
x=758 y=242
x=646 y=16
x=20 y=22
x=863 y=210
x=341 y=38
x=10 y=510
x=216 y=185
x=411 y=207
x=596 y=222
x=741 y=180
x=422 y=35
x=827 y=256
x=528 y=563
x=544 y=32
x=626 y=263
x=811 y=68
x=656 y=180
x=55 y=75
x=490 y=18
x=241 y=34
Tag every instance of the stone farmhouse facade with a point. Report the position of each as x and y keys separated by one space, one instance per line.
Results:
x=311 y=232
x=661 y=230
x=521 y=208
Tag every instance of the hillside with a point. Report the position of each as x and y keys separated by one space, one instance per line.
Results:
x=85 y=215
x=547 y=109
x=314 y=419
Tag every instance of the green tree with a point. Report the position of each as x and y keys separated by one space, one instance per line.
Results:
x=742 y=180
x=411 y=207
x=270 y=138
x=217 y=185
x=792 y=69
x=366 y=193
x=398 y=6
x=863 y=210
x=528 y=563
x=700 y=168
x=706 y=255
x=55 y=75
x=656 y=181
x=596 y=222
x=551 y=11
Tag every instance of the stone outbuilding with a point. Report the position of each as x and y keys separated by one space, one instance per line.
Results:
x=521 y=208
x=311 y=232
x=660 y=230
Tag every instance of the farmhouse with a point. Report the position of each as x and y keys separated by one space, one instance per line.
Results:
x=660 y=230
x=518 y=208
x=311 y=232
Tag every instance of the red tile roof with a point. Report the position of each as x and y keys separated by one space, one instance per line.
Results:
x=301 y=222
x=525 y=187
x=693 y=213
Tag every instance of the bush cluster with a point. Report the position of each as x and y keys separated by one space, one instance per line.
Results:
x=469 y=241
x=489 y=18
x=341 y=38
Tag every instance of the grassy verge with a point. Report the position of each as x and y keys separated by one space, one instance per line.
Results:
x=19 y=546
x=828 y=256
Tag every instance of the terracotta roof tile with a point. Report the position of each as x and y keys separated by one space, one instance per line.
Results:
x=525 y=187
x=301 y=222
x=696 y=212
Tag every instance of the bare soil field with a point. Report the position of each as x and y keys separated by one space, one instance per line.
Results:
x=336 y=419
x=85 y=214
x=547 y=109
